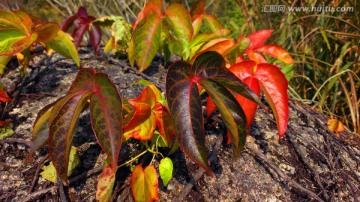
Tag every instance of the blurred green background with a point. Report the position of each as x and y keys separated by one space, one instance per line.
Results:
x=324 y=44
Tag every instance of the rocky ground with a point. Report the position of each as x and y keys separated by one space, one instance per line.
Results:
x=310 y=163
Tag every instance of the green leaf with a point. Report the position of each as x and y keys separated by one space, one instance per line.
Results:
x=6 y=131
x=213 y=23
x=201 y=38
x=4 y=60
x=14 y=41
x=166 y=170
x=49 y=171
x=147 y=37
x=9 y=20
x=106 y=117
x=63 y=44
x=120 y=31
x=179 y=21
x=40 y=133
x=62 y=131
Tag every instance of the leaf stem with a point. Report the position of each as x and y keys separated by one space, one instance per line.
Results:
x=133 y=159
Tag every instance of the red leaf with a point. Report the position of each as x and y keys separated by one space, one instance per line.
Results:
x=164 y=123
x=276 y=52
x=272 y=82
x=210 y=107
x=67 y=23
x=274 y=85
x=79 y=31
x=258 y=38
x=245 y=71
x=82 y=13
x=249 y=106
x=4 y=96
x=95 y=35
x=5 y=122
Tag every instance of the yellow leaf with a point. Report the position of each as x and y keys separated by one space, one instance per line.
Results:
x=144 y=184
x=49 y=172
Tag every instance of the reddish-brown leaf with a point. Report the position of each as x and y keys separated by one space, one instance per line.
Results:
x=95 y=35
x=47 y=31
x=62 y=131
x=197 y=8
x=106 y=117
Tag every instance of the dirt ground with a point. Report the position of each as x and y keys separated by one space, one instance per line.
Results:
x=310 y=163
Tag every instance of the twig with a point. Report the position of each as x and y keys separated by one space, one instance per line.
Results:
x=127 y=67
x=16 y=140
x=39 y=193
x=61 y=189
x=85 y=174
x=285 y=179
x=37 y=173
x=118 y=187
x=184 y=192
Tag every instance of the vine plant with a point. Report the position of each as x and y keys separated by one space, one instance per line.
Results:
x=230 y=71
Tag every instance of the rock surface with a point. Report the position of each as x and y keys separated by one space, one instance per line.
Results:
x=308 y=160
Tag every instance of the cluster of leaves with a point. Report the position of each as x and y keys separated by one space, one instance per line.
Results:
x=56 y=123
x=19 y=34
x=230 y=71
x=173 y=30
x=82 y=21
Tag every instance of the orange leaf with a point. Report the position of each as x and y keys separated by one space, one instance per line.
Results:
x=335 y=125
x=276 y=52
x=144 y=184
x=142 y=125
x=151 y=6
